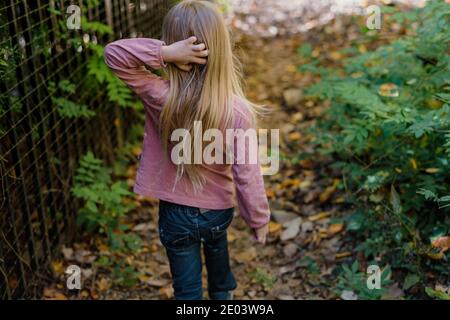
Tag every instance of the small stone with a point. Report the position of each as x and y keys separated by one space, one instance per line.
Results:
x=292 y=96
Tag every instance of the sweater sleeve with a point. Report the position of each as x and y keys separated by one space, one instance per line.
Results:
x=128 y=59
x=247 y=175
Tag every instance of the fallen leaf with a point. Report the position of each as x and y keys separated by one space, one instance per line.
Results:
x=293 y=228
x=320 y=216
x=103 y=284
x=231 y=236
x=67 y=253
x=58 y=267
x=274 y=227
x=295 y=136
x=290 y=250
x=157 y=282
x=335 y=228
x=246 y=255
x=53 y=294
x=442 y=243
x=341 y=255
x=282 y=216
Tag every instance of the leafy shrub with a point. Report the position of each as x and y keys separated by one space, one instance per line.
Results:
x=104 y=205
x=388 y=126
x=352 y=278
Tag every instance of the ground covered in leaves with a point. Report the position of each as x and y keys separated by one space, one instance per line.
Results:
x=304 y=243
x=307 y=241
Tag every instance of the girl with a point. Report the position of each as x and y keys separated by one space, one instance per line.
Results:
x=196 y=200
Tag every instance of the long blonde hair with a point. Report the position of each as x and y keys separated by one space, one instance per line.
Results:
x=206 y=92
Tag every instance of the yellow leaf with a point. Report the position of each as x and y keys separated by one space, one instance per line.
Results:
x=274 y=227
x=320 y=216
x=335 y=55
x=53 y=294
x=362 y=48
x=432 y=170
x=144 y=278
x=231 y=236
x=434 y=103
x=398 y=170
x=442 y=243
x=341 y=255
x=413 y=163
x=103 y=284
x=327 y=193
x=335 y=228
x=136 y=150
x=246 y=255
x=58 y=267
x=294 y=136
x=435 y=256
x=270 y=194
x=291 y=68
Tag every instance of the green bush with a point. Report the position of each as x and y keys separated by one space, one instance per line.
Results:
x=104 y=206
x=388 y=126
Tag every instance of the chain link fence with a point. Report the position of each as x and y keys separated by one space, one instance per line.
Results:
x=40 y=147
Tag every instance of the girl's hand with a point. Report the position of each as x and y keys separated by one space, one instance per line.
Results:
x=183 y=53
x=260 y=234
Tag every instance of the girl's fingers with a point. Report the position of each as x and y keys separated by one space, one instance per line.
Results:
x=192 y=39
x=198 y=60
x=199 y=47
x=203 y=53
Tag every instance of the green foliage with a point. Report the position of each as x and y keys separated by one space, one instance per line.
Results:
x=117 y=91
x=351 y=279
x=104 y=203
x=95 y=26
x=388 y=127
x=124 y=274
x=67 y=108
x=261 y=276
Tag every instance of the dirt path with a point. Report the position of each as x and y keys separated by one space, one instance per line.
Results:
x=304 y=243
x=299 y=266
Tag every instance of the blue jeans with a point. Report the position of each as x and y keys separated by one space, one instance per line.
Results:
x=182 y=230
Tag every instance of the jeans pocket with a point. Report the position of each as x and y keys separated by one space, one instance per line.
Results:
x=174 y=240
x=220 y=230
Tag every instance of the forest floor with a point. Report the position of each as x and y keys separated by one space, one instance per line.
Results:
x=305 y=241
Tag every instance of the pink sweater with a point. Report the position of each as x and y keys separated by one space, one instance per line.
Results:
x=156 y=173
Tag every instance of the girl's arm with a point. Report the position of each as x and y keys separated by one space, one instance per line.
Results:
x=250 y=192
x=127 y=58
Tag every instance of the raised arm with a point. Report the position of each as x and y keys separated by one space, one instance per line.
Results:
x=127 y=58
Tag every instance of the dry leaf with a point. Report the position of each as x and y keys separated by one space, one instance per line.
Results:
x=58 y=267
x=341 y=255
x=335 y=228
x=442 y=243
x=320 y=216
x=274 y=227
x=53 y=294
x=246 y=255
x=103 y=284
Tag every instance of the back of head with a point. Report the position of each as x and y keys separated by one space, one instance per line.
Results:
x=206 y=92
